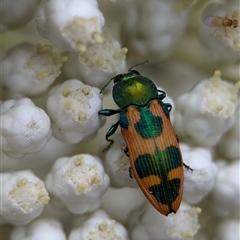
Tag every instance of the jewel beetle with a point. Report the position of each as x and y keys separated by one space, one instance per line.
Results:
x=152 y=146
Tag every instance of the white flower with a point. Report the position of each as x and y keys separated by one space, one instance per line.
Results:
x=23 y=197
x=16 y=13
x=119 y=203
x=228 y=146
x=149 y=224
x=79 y=182
x=98 y=64
x=226 y=191
x=206 y=112
x=70 y=25
x=222 y=41
x=117 y=164
x=199 y=182
x=29 y=70
x=24 y=128
x=231 y=71
x=228 y=229
x=100 y=227
x=73 y=108
x=47 y=229
x=151 y=28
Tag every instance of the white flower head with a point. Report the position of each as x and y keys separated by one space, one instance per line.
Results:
x=100 y=227
x=151 y=28
x=149 y=224
x=14 y=15
x=70 y=25
x=117 y=164
x=228 y=146
x=73 y=108
x=37 y=231
x=24 y=128
x=206 y=112
x=79 y=182
x=199 y=182
x=29 y=70
x=228 y=229
x=99 y=63
x=226 y=191
x=23 y=196
x=122 y=200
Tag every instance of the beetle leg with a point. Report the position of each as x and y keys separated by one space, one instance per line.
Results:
x=177 y=138
x=161 y=94
x=109 y=112
x=126 y=151
x=169 y=106
x=187 y=167
x=109 y=133
x=130 y=173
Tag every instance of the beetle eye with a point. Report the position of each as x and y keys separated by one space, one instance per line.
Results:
x=135 y=71
x=118 y=78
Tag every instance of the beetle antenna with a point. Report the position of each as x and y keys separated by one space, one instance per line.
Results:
x=137 y=65
x=106 y=84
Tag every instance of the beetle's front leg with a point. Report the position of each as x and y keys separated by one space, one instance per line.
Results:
x=113 y=128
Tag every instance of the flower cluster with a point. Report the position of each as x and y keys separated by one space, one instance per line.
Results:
x=57 y=57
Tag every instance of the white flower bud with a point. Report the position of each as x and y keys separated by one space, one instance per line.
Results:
x=16 y=13
x=98 y=64
x=226 y=191
x=70 y=25
x=206 y=112
x=29 y=70
x=23 y=197
x=47 y=229
x=24 y=128
x=79 y=182
x=199 y=182
x=149 y=224
x=155 y=38
x=100 y=227
x=73 y=108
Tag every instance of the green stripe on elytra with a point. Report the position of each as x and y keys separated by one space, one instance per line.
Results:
x=149 y=126
x=160 y=164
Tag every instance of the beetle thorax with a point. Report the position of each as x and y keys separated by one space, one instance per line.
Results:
x=136 y=91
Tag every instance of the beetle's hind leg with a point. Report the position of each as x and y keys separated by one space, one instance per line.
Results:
x=187 y=167
x=126 y=151
x=130 y=173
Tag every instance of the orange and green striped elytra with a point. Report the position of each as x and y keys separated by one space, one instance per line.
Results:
x=152 y=145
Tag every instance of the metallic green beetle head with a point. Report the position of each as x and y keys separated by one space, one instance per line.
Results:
x=131 y=88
